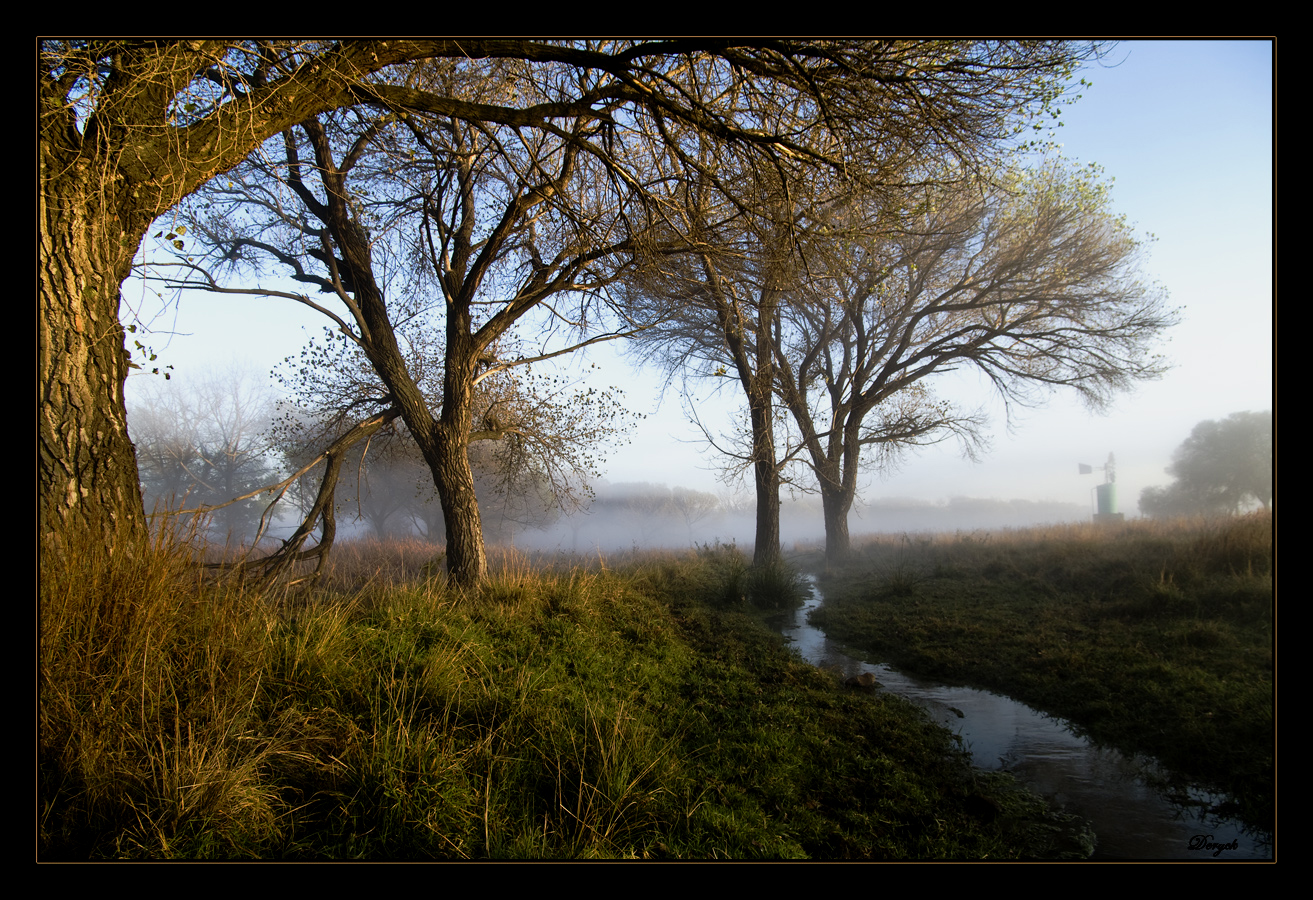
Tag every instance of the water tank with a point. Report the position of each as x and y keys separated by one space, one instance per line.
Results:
x=1107 y=499
x=1107 y=495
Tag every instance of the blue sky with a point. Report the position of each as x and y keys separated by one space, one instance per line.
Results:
x=1186 y=130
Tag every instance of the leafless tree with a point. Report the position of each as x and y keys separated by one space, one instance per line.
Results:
x=737 y=237
x=693 y=506
x=436 y=239
x=727 y=295
x=1033 y=282
x=201 y=442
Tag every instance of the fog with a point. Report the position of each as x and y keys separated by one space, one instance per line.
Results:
x=628 y=516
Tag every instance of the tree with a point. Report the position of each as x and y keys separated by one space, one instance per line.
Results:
x=726 y=295
x=1032 y=282
x=747 y=234
x=201 y=444
x=127 y=130
x=399 y=217
x=1220 y=467
x=693 y=506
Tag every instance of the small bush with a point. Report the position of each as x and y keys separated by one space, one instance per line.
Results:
x=777 y=586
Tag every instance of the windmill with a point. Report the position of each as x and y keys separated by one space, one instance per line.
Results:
x=1106 y=510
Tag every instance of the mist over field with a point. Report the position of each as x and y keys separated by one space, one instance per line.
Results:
x=643 y=516
x=623 y=517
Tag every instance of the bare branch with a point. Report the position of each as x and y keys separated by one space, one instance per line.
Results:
x=321 y=511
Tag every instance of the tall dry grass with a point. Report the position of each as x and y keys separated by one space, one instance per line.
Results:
x=151 y=740
x=381 y=714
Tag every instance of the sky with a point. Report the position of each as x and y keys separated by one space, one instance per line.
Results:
x=1186 y=130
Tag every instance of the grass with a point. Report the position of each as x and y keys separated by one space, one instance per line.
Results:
x=1151 y=637
x=619 y=710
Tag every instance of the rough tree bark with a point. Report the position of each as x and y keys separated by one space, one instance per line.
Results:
x=115 y=151
x=88 y=233
x=467 y=559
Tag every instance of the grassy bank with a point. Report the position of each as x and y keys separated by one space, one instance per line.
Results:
x=632 y=711
x=1151 y=637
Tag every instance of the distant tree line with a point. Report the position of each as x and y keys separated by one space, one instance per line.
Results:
x=203 y=442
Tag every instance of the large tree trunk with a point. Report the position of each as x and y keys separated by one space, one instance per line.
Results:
x=837 y=475
x=444 y=442
x=108 y=164
x=86 y=465
x=746 y=349
x=836 y=504
x=467 y=558
x=766 y=552
x=761 y=403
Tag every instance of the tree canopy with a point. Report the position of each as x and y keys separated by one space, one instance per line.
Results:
x=1032 y=281
x=435 y=241
x=844 y=312
x=1220 y=468
x=128 y=129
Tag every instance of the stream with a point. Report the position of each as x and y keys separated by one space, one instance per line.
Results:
x=1131 y=818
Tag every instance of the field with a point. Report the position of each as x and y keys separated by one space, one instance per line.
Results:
x=1154 y=638
x=633 y=708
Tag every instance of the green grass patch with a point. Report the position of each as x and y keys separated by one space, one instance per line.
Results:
x=1152 y=638
x=619 y=711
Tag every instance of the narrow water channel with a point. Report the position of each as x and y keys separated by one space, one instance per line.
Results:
x=1132 y=820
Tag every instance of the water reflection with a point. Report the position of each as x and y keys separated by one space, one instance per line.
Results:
x=1131 y=818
